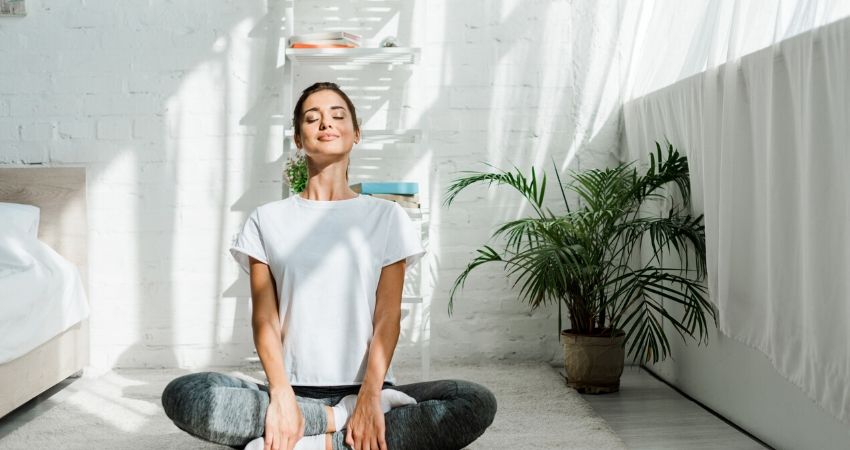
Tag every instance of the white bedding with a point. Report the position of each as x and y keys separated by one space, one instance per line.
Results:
x=41 y=294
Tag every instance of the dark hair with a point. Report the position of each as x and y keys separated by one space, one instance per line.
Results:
x=298 y=113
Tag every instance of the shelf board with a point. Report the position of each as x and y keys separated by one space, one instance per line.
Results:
x=356 y=56
x=416 y=213
x=411 y=299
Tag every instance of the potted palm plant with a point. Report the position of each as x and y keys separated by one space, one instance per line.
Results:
x=587 y=260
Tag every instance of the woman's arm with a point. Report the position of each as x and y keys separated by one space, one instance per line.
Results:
x=265 y=322
x=284 y=423
x=386 y=327
x=366 y=428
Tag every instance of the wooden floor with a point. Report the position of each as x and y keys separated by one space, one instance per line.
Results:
x=648 y=414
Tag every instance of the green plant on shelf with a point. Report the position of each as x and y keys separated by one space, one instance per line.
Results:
x=295 y=172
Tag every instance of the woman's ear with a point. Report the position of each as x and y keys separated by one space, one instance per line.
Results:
x=357 y=137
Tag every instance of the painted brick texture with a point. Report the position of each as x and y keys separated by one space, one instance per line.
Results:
x=177 y=111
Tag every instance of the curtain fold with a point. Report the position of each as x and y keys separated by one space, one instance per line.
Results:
x=767 y=136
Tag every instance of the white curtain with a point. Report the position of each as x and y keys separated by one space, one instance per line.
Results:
x=664 y=41
x=767 y=136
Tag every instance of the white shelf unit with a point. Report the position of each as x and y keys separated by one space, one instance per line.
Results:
x=354 y=56
x=415 y=302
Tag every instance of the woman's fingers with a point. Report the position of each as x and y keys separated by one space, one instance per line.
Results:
x=348 y=439
x=363 y=441
x=275 y=442
x=267 y=440
x=366 y=444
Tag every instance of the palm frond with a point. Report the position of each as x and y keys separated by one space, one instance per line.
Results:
x=561 y=185
x=486 y=254
x=676 y=232
x=527 y=187
x=662 y=170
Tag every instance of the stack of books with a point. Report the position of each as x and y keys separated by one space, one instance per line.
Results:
x=331 y=39
x=405 y=193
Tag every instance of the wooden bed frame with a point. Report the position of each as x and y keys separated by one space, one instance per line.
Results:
x=60 y=192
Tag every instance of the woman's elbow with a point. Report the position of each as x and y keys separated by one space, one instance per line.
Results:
x=264 y=325
x=389 y=324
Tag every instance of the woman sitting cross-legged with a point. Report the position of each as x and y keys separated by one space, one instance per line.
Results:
x=326 y=270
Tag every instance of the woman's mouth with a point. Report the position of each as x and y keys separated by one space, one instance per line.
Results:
x=327 y=137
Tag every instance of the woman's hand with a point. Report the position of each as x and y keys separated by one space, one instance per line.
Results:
x=366 y=425
x=284 y=422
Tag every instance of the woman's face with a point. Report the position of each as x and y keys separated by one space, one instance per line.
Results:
x=326 y=125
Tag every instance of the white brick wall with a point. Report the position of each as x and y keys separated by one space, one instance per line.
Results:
x=174 y=108
x=507 y=83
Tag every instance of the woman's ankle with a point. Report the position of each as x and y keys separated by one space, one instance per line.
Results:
x=329 y=413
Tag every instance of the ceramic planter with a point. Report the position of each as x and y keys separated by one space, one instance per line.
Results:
x=593 y=363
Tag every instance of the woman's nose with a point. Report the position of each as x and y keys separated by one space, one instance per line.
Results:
x=325 y=123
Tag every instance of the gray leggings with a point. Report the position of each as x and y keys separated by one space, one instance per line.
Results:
x=219 y=408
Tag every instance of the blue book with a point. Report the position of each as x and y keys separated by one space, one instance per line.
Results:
x=387 y=187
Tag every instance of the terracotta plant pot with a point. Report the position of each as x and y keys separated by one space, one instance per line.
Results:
x=593 y=363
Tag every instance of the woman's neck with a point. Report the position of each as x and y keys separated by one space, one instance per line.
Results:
x=329 y=193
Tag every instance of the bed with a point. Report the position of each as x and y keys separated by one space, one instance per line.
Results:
x=42 y=346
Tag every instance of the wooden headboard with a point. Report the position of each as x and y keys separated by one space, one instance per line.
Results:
x=60 y=192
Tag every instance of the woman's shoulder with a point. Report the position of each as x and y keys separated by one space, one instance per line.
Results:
x=381 y=204
x=376 y=201
x=273 y=207
x=290 y=205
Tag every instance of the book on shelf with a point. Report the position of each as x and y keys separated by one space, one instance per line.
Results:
x=387 y=187
x=405 y=201
x=332 y=39
x=398 y=197
x=323 y=44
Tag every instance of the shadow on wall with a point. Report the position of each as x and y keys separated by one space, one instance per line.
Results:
x=206 y=153
x=184 y=159
x=543 y=102
x=206 y=147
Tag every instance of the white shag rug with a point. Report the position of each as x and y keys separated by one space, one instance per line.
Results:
x=121 y=409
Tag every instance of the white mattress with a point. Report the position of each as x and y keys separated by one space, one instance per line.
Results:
x=41 y=295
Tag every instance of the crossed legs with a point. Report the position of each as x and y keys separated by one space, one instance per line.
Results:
x=449 y=414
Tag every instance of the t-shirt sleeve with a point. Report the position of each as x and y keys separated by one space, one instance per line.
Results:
x=403 y=239
x=249 y=242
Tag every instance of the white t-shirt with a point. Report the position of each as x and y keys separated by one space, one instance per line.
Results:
x=326 y=259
